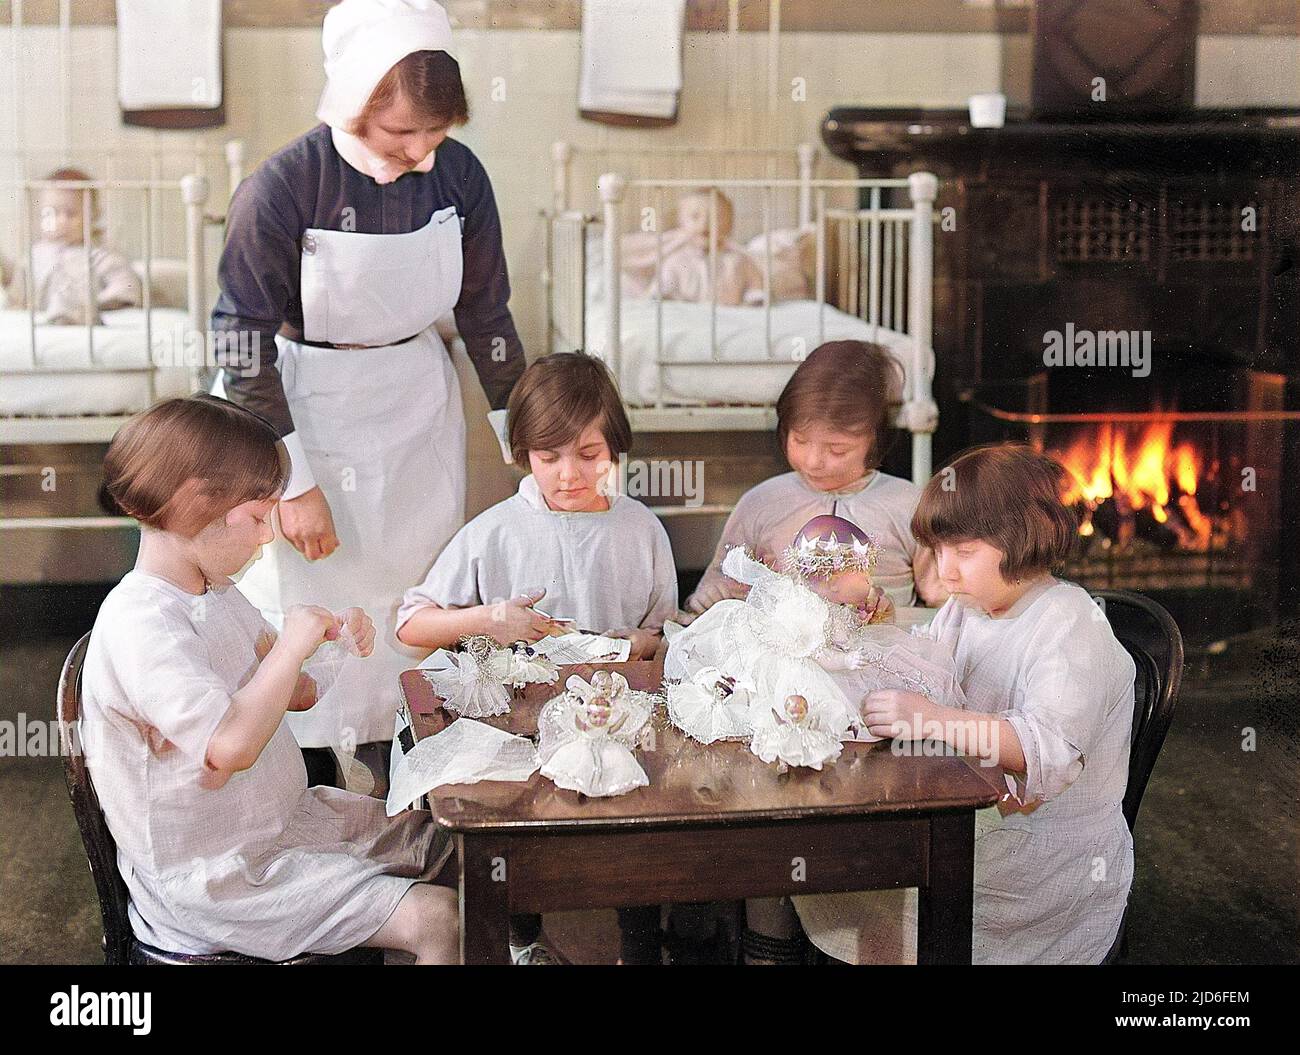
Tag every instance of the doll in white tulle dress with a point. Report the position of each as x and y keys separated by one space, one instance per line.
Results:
x=806 y=631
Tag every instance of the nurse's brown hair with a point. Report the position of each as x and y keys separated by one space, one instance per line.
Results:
x=184 y=462
x=1007 y=495
x=430 y=80
x=557 y=397
x=847 y=386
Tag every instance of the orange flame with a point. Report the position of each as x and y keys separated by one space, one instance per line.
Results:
x=1101 y=466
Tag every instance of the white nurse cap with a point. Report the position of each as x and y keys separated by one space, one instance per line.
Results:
x=363 y=40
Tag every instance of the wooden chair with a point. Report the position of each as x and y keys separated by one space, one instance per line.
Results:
x=121 y=946
x=1150 y=635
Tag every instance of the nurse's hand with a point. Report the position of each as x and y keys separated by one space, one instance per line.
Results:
x=307 y=523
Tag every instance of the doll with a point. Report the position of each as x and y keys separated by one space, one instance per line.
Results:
x=806 y=631
x=586 y=735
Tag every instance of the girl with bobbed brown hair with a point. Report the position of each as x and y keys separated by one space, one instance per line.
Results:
x=224 y=847
x=832 y=419
x=1049 y=693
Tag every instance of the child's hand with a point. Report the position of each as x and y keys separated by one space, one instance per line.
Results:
x=359 y=628
x=707 y=596
x=879 y=607
x=644 y=642
x=514 y=620
x=306 y=626
x=901 y=715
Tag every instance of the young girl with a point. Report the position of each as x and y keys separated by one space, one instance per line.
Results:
x=65 y=289
x=830 y=419
x=1049 y=697
x=564 y=540
x=591 y=556
x=221 y=843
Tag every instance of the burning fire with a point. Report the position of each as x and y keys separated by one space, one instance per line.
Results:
x=1154 y=475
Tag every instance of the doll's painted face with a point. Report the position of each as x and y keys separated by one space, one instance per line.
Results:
x=970 y=570
x=61 y=215
x=852 y=586
x=572 y=477
x=827 y=459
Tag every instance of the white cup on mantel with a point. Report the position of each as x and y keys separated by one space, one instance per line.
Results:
x=988 y=110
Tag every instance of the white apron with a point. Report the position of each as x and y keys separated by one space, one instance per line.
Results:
x=384 y=432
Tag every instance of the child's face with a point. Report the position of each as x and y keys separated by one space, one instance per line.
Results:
x=969 y=569
x=851 y=586
x=61 y=216
x=231 y=542
x=399 y=135
x=693 y=214
x=571 y=477
x=827 y=459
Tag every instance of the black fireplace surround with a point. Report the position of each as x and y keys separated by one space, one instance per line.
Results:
x=1180 y=231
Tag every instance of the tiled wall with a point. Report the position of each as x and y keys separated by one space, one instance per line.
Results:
x=274 y=78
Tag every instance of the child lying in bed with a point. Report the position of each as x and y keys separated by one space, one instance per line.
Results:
x=63 y=289
x=686 y=270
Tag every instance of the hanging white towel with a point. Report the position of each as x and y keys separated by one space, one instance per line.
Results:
x=168 y=54
x=632 y=56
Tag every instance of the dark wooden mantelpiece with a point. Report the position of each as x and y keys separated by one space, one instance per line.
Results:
x=1129 y=225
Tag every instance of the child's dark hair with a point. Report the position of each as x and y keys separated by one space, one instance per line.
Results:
x=848 y=386
x=430 y=81
x=557 y=397
x=184 y=462
x=1007 y=495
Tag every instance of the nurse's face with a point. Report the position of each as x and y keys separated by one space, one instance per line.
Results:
x=397 y=133
x=231 y=543
x=571 y=476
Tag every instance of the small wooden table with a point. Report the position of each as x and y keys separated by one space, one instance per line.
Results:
x=716 y=823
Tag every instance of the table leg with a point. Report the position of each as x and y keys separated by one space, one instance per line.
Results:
x=484 y=902
x=943 y=927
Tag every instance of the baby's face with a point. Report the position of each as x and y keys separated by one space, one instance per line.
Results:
x=851 y=586
x=693 y=214
x=61 y=216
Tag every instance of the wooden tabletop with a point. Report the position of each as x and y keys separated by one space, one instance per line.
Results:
x=693 y=783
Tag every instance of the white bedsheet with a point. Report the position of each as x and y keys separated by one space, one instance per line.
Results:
x=740 y=335
x=101 y=386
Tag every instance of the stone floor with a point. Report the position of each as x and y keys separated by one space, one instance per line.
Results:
x=1216 y=841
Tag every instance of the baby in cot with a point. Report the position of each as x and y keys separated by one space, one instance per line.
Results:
x=596 y=559
x=221 y=843
x=685 y=271
x=1048 y=696
x=63 y=287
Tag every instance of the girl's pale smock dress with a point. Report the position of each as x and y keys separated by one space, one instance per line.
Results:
x=263 y=865
x=1051 y=884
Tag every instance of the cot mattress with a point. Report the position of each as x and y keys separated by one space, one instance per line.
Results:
x=67 y=382
x=741 y=335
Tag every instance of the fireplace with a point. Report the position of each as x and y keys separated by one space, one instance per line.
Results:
x=1123 y=293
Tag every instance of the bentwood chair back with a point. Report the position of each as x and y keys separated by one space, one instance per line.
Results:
x=120 y=945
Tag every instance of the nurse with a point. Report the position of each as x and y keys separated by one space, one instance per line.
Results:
x=342 y=250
